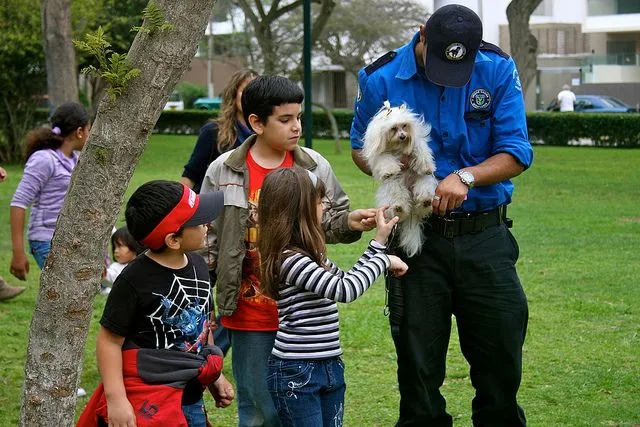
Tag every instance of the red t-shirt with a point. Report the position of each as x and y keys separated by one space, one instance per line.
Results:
x=255 y=311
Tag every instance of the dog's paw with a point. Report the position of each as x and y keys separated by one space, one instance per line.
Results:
x=422 y=207
x=389 y=171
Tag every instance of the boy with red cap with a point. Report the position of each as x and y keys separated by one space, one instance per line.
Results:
x=154 y=347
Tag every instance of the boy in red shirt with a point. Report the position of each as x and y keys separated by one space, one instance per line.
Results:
x=272 y=106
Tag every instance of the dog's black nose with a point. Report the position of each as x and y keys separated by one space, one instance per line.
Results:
x=402 y=137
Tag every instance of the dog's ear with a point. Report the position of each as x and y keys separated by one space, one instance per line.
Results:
x=387 y=105
x=403 y=106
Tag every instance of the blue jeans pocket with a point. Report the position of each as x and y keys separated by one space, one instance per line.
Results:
x=40 y=250
x=288 y=375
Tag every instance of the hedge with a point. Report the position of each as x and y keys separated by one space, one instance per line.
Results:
x=602 y=130
x=598 y=129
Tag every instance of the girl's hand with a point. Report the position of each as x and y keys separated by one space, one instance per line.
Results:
x=19 y=266
x=398 y=267
x=384 y=228
x=121 y=413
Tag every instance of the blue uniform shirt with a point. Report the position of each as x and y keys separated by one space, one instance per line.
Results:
x=469 y=124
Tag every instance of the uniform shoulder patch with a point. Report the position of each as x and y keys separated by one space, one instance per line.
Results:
x=384 y=59
x=493 y=48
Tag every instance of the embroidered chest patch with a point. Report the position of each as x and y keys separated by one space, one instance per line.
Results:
x=480 y=99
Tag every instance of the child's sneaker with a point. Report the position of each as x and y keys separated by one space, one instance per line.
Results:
x=81 y=392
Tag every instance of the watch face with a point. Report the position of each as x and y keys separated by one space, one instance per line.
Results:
x=468 y=176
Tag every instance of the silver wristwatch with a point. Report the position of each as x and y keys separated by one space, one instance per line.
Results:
x=466 y=177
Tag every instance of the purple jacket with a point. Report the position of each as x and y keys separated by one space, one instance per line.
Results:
x=44 y=186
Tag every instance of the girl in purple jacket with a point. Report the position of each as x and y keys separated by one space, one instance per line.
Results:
x=51 y=155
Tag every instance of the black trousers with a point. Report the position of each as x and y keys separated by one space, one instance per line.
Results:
x=472 y=277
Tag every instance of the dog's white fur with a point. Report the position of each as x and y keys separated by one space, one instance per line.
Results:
x=395 y=133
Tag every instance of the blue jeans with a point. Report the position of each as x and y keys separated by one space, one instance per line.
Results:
x=307 y=393
x=221 y=337
x=250 y=353
x=40 y=250
x=194 y=414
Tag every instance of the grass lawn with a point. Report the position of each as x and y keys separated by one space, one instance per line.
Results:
x=577 y=219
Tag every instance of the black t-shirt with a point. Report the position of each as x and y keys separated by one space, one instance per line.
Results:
x=153 y=306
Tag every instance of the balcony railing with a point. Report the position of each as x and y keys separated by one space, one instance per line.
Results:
x=631 y=59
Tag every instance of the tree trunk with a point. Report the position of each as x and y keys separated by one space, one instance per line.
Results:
x=62 y=78
x=332 y=122
x=71 y=276
x=524 y=45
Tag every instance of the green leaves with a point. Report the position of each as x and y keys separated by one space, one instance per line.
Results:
x=153 y=20
x=113 y=67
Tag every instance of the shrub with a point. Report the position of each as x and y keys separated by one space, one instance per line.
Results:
x=190 y=92
x=602 y=129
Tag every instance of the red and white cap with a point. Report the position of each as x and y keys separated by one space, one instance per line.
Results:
x=192 y=209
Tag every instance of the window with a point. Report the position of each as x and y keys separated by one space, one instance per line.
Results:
x=621 y=52
x=561 y=42
x=612 y=7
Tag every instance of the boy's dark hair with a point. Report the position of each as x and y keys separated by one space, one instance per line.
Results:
x=148 y=206
x=266 y=92
x=125 y=238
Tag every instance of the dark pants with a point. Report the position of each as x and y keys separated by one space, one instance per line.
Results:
x=473 y=277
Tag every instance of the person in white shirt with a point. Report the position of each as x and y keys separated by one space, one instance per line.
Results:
x=566 y=99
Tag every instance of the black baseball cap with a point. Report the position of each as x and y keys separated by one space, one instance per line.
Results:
x=453 y=34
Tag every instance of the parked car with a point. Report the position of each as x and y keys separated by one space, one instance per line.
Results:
x=207 y=103
x=175 y=102
x=595 y=104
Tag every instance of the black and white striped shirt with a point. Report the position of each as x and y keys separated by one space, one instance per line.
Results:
x=307 y=309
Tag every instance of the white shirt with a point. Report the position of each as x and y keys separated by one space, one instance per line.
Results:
x=114 y=270
x=566 y=99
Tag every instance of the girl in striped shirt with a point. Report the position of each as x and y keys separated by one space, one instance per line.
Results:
x=305 y=374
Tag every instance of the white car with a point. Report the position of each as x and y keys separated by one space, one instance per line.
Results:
x=175 y=102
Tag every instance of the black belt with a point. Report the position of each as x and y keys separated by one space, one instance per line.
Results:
x=459 y=223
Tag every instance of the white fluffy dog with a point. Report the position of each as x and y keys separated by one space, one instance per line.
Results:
x=396 y=135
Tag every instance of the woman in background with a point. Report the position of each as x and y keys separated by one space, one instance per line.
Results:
x=226 y=132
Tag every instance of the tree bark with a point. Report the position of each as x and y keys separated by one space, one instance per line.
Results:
x=62 y=77
x=71 y=277
x=524 y=45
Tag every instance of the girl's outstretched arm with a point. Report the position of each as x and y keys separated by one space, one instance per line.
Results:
x=302 y=272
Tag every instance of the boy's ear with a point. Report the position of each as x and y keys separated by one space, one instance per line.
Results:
x=172 y=241
x=256 y=124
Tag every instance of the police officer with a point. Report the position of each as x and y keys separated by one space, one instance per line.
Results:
x=470 y=93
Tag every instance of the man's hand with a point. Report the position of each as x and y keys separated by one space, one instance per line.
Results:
x=222 y=392
x=362 y=219
x=450 y=194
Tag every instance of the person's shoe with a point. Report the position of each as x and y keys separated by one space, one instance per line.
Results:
x=81 y=392
x=105 y=290
x=7 y=292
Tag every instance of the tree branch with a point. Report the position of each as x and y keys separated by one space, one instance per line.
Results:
x=286 y=9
